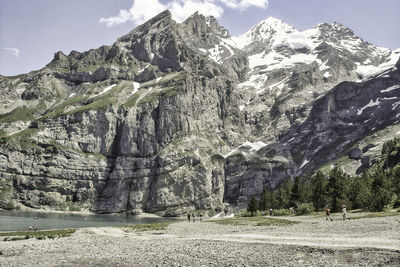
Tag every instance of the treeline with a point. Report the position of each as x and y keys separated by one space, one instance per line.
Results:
x=375 y=189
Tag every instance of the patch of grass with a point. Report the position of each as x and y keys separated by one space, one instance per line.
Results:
x=15 y=76
x=147 y=227
x=132 y=100
x=353 y=216
x=255 y=221
x=99 y=104
x=20 y=235
x=18 y=114
x=59 y=109
x=21 y=138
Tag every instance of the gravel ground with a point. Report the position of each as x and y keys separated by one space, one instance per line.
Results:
x=312 y=242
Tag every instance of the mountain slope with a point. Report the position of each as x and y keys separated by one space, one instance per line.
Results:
x=175 y=117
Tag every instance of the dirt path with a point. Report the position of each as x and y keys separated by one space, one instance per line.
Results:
x=312 y=242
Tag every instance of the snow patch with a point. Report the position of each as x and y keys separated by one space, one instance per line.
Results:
x=327 y=74
x=140 y=71
x=255 y=146
x=391 y=88
x=105 y=90
x=136 y=87
x=305 y=162
x=241 y=107
x=71 y=95
x=273 y=60
x=323 y=66
x=256 y=81
x=369 y=70
x=394 y=105
x=370 y=104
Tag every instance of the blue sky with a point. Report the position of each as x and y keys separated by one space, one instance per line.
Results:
x=32 y=30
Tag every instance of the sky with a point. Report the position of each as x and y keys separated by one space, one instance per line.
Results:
x=31 y=31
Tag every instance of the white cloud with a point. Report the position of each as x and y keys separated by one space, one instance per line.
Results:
x=182 y=9
x=143 y=10
x=13 y=50
x=244 y=4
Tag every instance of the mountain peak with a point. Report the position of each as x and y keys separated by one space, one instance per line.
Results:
x=199 y=25
x=334 y=27
x=274 y=24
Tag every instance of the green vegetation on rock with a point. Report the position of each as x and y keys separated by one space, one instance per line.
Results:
x=11 y=236
x=18 y=114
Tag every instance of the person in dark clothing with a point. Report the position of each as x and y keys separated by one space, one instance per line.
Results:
x=328 y=213
x=188 y=216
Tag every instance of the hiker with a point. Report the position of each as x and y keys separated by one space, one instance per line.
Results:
x=291 y=209
x=30 y=228
x=201 y=217
x=328 y=213
x=271 y=211
x=344 y=212
x=188 y=216
x=193 y=216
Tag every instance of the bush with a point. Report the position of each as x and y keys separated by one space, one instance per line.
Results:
x=304 y=208
x=396 y=202
x=248 y=214
x=74 y=208
x=282 y=212
x=211 y=212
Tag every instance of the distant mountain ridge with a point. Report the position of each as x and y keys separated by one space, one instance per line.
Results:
x=180 y=116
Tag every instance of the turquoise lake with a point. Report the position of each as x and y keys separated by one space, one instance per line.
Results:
x=19 y=221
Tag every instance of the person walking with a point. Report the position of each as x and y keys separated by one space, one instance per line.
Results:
x=201 y=217
x=193 y=216
x=328 y=213
x=188 y=216
x=344 y=212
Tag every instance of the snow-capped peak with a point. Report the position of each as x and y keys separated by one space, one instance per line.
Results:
x=263 y=31
x=275 y=24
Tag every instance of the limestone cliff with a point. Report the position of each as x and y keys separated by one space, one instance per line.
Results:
x=174 y=117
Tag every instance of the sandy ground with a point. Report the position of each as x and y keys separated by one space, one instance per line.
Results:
x=312 y=242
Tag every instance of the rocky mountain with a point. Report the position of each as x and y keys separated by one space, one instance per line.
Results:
x=180 y=116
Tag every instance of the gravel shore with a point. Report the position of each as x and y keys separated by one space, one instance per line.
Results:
x=311 y=242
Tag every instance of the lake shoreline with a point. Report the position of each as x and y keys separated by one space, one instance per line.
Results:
x=25 y=220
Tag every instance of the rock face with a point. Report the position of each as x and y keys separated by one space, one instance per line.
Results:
x=175 y=117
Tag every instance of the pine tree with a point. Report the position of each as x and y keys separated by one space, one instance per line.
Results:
x=252 y=206
x=284 y=193
x=381 y=194
x=319 y=194
x=338 y=185
x=295 y=194
x=360 y=191
x=263 y=200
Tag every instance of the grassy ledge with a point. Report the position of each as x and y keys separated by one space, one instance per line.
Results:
x=12 y=236
x=146 y=227
x=254 y=221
